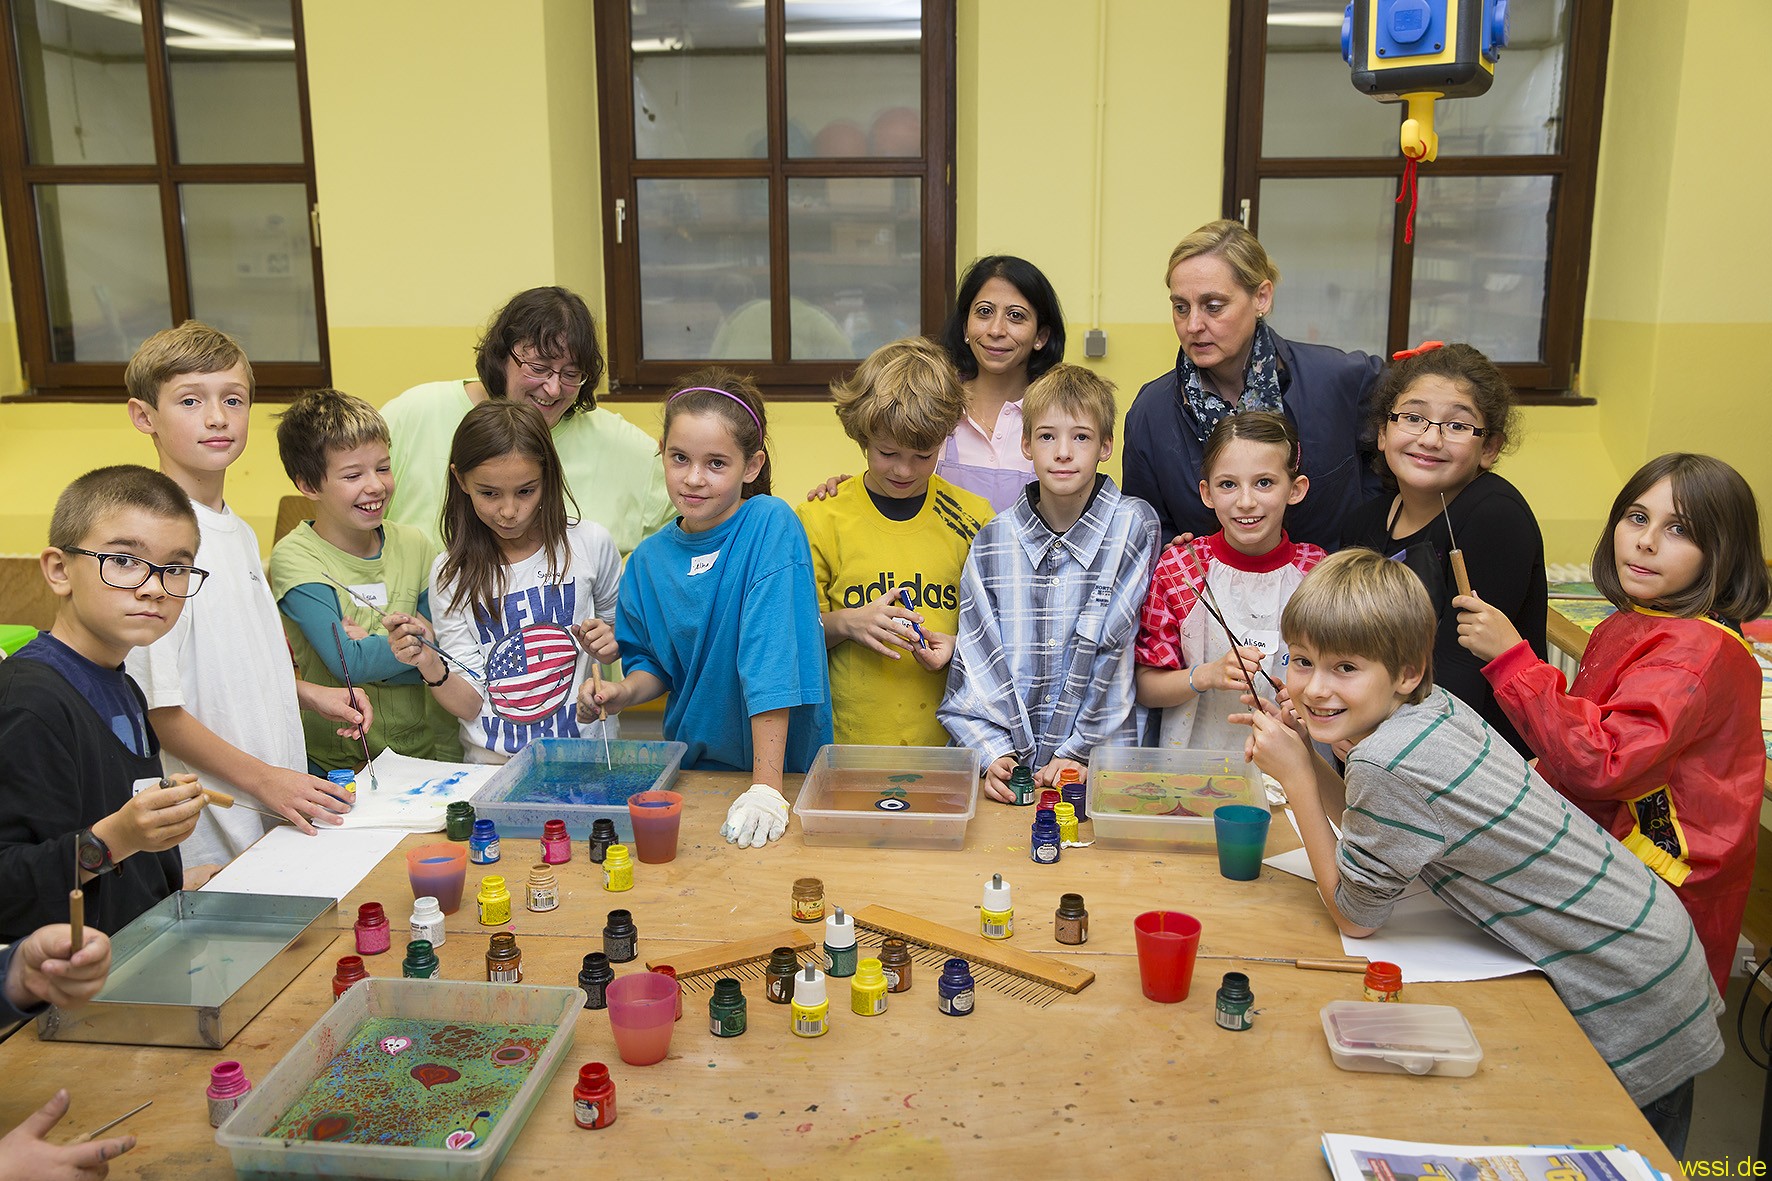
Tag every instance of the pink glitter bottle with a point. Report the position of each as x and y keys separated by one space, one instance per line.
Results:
x=372 y=929
x=228 y=1085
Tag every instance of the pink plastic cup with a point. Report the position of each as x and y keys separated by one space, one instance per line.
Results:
x=656 y=817
x=642 y=1014
x=438 y=871
x=1168 y=941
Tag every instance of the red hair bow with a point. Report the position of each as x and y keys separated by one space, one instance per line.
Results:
x=1426 y=346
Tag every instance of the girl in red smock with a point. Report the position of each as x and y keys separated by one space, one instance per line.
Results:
x=1659 y=737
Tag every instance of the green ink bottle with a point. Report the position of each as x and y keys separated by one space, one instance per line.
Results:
x=726 y=1009
x=1021 y=784
x=421 y=961
x=458 y=821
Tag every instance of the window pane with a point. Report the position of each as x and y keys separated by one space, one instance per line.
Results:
x=854 y=77
x=84 y=82
x=698 y=79
x=233 y=82
x=704 y=269
x=1331 y=240
x=1481 y=262
x=1310 y=106
x=1522 y=113
x=252 y=268
x=854 y=260
x=104 y=267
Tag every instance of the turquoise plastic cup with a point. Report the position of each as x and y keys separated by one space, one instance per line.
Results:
x=1242 y=840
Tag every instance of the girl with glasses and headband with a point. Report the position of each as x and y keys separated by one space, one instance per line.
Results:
x=1442 y=417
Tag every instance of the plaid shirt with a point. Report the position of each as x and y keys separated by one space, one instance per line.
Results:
x=1043 y=661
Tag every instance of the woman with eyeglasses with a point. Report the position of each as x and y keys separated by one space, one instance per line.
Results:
x=1221 y=288
x=540 y=350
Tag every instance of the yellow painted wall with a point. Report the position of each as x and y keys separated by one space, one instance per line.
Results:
x=456 y=151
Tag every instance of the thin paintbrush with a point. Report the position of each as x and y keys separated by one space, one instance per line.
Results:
x=1211 y=602
x=602 y=714
x=1321 y=964
x=351 y=697
x=77 y=909
x=1457 y=555
x=103 y=1128
x=465 y=670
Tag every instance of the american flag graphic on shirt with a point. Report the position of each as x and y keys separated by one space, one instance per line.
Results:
x=530 y=672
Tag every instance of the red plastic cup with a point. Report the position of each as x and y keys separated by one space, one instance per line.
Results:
x=656 y=817
x=439 y=872
x=1168 y=941
x=642 y=1014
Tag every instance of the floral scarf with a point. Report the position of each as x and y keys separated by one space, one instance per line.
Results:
x=1261 y=383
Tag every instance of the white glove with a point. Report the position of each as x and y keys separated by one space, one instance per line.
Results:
x=757 y=817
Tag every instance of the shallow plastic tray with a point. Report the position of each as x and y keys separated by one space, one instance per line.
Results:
x=1155 y=813
x=256 y=1155
x=889 y=797
x=1401 y=1038
x=568 y=779
x=196 y=967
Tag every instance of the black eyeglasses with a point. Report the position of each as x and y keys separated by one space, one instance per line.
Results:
x=570 y=378
x=1458 y=432
x=127 y=572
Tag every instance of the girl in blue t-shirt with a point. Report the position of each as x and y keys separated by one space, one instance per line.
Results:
x=720 y=612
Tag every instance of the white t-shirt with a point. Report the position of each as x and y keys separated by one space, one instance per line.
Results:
x=227 y=663
x=534 y=691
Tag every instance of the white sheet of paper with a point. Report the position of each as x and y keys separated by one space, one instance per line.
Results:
x=413 y=794
x=329 y=864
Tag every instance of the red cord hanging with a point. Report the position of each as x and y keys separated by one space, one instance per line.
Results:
x=1408 y=187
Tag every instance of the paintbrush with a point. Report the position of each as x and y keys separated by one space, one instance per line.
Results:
x=351 y=697
x=602 y=714
x=77 y=909
x=426 y=642
x=904 y=596
x=1322 y=964
x=103 y=1128
x=1457 y=555
x=1211 y=602
x=222 y=799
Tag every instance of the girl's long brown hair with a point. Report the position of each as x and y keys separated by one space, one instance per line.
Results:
x=473 y=563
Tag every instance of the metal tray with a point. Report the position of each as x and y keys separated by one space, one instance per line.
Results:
x=196 y=968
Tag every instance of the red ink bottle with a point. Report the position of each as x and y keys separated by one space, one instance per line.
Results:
x=593 y=1099
x=373 y=936
x=556 y=846
x=350 y=970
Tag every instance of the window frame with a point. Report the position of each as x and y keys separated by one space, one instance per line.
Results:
x=102 y=381
x=632 y=378
x=1555 y=378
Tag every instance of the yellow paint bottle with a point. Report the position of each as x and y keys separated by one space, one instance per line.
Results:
x=1067 y=822
x=996 y=917
x=494 y=900
x=867 y=989
x=811 y=1011
x=618 y=869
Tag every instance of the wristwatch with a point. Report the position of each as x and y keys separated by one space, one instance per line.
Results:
x=95 y=855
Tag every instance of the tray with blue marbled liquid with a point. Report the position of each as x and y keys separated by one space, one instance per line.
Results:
x=570 y=779
x=889 y=797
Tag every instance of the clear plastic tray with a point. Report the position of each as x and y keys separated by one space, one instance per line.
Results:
x=889 y=797
x=256 y=1155
x=568 y=779
x=1401 y=1038
x=1142 y=797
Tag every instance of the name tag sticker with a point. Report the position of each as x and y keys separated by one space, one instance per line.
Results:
x=702 y=563
x=141 y=785
x=373 y=592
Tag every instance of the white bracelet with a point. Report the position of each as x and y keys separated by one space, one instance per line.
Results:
x=1190 y=681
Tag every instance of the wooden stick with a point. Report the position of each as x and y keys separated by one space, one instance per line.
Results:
x=222 y=799
x=602 y=714
x=1211 y=602
x=1323 y=964
x=1042 y=969
x=103 y=1128
x=77 y=918
x=1459 y=573
x=726 y=955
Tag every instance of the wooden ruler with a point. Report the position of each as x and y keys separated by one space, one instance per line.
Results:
x=996 y=953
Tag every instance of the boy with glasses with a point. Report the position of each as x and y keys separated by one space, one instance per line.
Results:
x=75 y=726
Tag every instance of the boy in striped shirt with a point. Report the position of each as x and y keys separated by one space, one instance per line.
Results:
x=1431 y=790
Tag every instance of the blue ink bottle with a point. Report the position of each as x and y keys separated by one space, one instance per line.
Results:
x=955 y=988
x=1045 y=845
x=483 y=843
x=346 y=779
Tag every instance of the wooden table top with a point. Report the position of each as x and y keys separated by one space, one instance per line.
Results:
x=1103 y=1076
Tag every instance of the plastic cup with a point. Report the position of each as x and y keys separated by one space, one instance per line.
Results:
x=438 y=871
x=642 y=1014
x=1242 y=840
x=656 y=816
x=1167 y=943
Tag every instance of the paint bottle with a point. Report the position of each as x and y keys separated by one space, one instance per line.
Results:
x=483 y=843
x=421 y=961
x=618 y=869
x=808 y=900
x=458 y=821
x=839 y=943
x=426 y=922
x=778 y=976
x=228 y=1085
x=726 y=1009
x=373 y=936
x=1066 y=815
x=1073 y=790
x=495 y=901
x=895 y=965
x=996 y=916
x=811 y=1011
x=955 y=988
x=346 y=779
x=867 y=992
x=593 y=1099
x=620 y=938
x=504 y=959
x=542 y=893
x=556 y=846
x=594 y=977
x=602 y=836
x=1070 y=922
x=1044 y=846
x=1049 y=798
x=350 y=970
x=1234 y=1007
x=1384 y=981
x=1021 y=786
x=667 y=970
